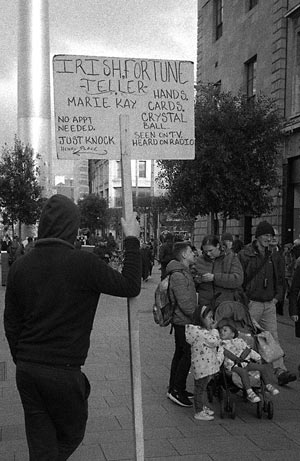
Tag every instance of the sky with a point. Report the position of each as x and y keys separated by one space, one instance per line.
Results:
x=150 y=29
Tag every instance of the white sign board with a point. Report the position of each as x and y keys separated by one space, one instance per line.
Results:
x=90 y=93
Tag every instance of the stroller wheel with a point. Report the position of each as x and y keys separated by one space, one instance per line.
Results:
x=270 y=410
x=232 y=410
x=259 y=409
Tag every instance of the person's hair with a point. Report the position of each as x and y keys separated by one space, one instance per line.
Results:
x=210 y=240
x=200 y=314
x=179 y=248
x=296 y=251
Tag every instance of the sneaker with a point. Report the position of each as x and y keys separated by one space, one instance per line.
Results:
x=286 y=377
x=180 y=399
x=208 y=410
x=203 y=416
x=188 y=394
x=272 y=389
x=252 y=397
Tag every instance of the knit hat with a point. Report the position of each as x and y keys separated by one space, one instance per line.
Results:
x=228 y=323
x=227 y=236
x=264 y=228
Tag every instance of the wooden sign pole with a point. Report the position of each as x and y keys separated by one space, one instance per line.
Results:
x=132 y=303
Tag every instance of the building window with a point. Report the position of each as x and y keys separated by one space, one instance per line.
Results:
x=252 y=4
x=142 y=169
x=118 y=169
x=296 y=78
x=219 y=18
x=251 y=78
x=118 y=197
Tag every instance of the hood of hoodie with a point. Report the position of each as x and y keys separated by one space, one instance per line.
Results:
x=59 y=219
x=175 y=265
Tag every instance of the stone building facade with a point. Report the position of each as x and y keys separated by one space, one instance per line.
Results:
x=254 y=46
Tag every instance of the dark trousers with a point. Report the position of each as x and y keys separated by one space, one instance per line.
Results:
x=181 y=362
x=55 y=409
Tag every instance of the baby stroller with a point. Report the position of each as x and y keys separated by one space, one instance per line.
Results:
x=225 y=384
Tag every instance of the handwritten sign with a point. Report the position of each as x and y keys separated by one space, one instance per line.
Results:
x=90 y=93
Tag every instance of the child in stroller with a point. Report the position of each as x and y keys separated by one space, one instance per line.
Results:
x=241 y=359
x=226 y=383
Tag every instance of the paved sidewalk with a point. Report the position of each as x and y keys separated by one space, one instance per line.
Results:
x=170 y=431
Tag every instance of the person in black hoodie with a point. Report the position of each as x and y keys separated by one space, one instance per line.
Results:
x=50 y=303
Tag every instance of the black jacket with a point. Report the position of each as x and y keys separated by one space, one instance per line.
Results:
x=255 y=273
x=52 y=293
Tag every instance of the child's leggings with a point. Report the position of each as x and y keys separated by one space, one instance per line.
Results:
x=264 y=369
x=200 y=386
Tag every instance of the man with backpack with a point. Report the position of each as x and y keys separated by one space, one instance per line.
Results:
x=264 y=287
x=184 y=298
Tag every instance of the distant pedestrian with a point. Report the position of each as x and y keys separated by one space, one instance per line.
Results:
x=146 y=261
x=166 y=254
x=264 y=287
x=78 y=243
x=152 y=256
x=184 y=297
x=277 y=248
x=291 y=255
x=29 y=246
x=294 y=301
x=111 y=243
x=15 y=250
x=227 y=242
x=50 y=304
x=237 y=244
x=206 y=357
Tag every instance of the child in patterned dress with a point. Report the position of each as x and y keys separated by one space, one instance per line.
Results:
x=206 y=357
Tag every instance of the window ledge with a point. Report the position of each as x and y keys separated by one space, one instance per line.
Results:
x=293 y=12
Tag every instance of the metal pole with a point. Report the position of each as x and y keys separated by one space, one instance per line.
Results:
x=34 y=109
x=132 y=303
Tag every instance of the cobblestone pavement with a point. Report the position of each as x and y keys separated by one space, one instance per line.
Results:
x=170 y=432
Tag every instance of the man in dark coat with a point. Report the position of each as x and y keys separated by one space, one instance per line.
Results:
x=264 y=287
x=51 y=298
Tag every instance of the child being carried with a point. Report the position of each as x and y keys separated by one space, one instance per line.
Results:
x=247 y=360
